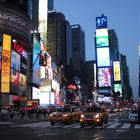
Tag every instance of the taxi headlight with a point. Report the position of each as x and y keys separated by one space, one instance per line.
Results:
x=97 y=116
x=51 y=115
x=82 y=116
x=65 y=115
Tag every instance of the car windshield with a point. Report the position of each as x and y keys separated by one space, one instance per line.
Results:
x=97 y=110
x=65 y=109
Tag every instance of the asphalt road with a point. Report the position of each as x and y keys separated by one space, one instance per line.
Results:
x=118 y=128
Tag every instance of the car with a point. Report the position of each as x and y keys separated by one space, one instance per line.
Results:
x=112 y=110
x=133 y=116
x=66 y=114
x=94 y=115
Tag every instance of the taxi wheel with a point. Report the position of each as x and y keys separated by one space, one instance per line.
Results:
x=82 y=125
x=106 y=121
x=70 y=121
x=52 y=123
x=101 y=124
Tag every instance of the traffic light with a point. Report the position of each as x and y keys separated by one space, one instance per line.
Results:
x=41 y=60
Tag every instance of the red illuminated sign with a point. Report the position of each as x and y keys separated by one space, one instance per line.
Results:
x=19 y=48
x=71 y=86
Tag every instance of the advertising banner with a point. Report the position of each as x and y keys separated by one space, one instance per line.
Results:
x=116 y=67
x=5 y=71
x=104 y=77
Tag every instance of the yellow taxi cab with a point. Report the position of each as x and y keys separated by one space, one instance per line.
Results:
x=94 y=115
x=66 y=114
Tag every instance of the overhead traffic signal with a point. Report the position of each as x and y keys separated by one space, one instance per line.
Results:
x=41 y=60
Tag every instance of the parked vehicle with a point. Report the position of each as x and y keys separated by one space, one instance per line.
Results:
x=94 y=115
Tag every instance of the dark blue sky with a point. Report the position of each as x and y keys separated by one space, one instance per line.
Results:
x=123 y=16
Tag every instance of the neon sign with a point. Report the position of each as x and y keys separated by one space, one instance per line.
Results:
x=19 y=48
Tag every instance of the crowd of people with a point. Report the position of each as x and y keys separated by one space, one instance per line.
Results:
x=22 y=114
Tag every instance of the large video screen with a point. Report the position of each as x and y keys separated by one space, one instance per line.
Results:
x=118 y=88
x=36 y=67
x=104 y=77
x=22 y=84
x=14 y=87
x=102 y=38
x=102 y=41
x=15 y=61
x=103 y=58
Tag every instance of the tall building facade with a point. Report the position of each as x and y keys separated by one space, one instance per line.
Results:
x=78 y=51
x=15 y=37
x=56 y=38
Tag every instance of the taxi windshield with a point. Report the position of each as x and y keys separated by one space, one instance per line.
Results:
x=97 y=110
x=65 y=109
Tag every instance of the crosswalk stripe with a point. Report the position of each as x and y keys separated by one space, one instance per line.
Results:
x=114 y=125
x=77 y=125
x=137 y=126
x=126 y=125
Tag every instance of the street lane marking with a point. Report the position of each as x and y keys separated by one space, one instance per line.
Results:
x=137 y=126
x=113 y=125
x=126 y=125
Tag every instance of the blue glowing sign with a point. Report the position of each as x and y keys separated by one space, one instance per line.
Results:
x=101 y=22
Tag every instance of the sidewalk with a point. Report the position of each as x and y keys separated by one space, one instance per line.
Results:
x=25 y=120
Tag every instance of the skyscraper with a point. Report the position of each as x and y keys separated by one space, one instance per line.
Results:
x=78 y=50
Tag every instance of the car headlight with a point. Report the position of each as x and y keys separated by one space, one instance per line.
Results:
x=97 y=116
x=65 y=115
x=82 y=116
x=51 y=115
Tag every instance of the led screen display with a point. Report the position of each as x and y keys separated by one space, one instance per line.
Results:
x=14 y=88
x=102 y=41
x=45 y=85
x=22 y=84
x=36 y=66
x=23 y=65
x=104 y=99
x=103 y=58
x=118 y=88
x=101 y=32
x=15 y=61
x=116 y=68
x=104 y=77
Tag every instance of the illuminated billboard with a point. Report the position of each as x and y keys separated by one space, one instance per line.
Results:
x=95 y=78
x=103 y=58
x=5 y=71
x=101 y=22
x=104 y=77
x=15 y=61
x=43 y=16
x=36 y=66
x=116 y=68
x=0 y=50
x=118 y=88
x=102 y=37
x=14 y=88
x=22 y=84
x=102 y=41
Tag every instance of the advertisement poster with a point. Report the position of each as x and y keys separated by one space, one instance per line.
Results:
x=15 y=61
x=104 y=77
x=22 y=84
x=14 y=88
x=5 y=71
